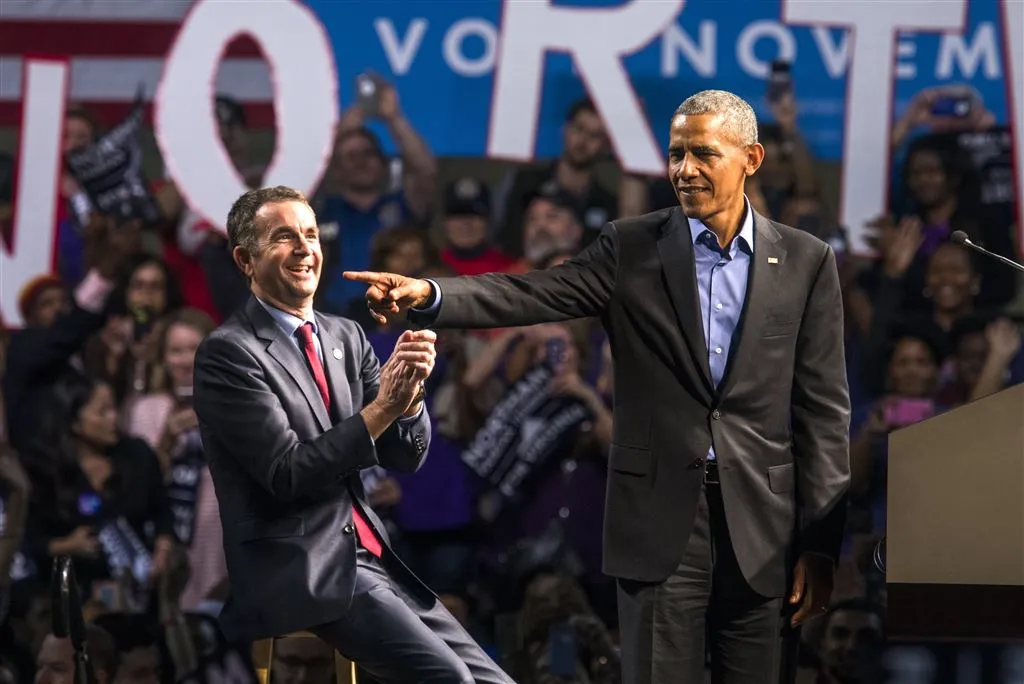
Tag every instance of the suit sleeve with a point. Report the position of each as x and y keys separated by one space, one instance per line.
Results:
x=582 y=287
x=403 y=446
x=821 y=416
x=240 y=412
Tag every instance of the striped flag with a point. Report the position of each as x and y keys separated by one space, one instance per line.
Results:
x=115 y=45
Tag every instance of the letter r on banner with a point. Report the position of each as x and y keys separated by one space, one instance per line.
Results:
x=869 y=115
x=597 y=39
x=31 y=249
x=305 y=100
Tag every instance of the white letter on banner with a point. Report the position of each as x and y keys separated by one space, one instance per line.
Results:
x=400 y=54
x=597 y=39
x=1013 y=42
x=44 y=90
x=451 y=47
x=305 y=100
x=869 y=115
x=754 y=33
x=968 y=57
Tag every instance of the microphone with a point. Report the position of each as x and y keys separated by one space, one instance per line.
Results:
x=959 y=237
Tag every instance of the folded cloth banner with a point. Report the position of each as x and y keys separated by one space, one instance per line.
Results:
x=110 y=171
x=525 y=429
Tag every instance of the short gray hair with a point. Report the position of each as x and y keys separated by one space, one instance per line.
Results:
x=738 y=114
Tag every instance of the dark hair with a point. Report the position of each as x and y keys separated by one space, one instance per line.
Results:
x=80 y=112
x=960 y=172
x=366 y=134
x=53 y=464
x=920 y=330
x=129 y=631
x=856 y=605
x=172 y=288
x=584 y=105
x=386 y=241
x=102 y=650
x=242 y=230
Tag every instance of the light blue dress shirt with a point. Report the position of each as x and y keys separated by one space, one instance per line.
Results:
x=722 y=285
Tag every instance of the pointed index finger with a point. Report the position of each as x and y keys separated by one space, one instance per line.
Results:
x=370 y=277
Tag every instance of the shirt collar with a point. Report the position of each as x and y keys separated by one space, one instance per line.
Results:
x=286 y=321
x=746 y=234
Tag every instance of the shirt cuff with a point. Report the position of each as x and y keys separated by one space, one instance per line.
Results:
x=436 y=305
x=91 y=294
x=405 y=420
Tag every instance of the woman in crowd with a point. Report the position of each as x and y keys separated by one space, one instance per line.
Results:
x=912 y=380
x=124 y=353
x=942 y=196
x=98 y=496
x=166 y=420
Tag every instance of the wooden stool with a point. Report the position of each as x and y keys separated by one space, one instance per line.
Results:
x=263 y=656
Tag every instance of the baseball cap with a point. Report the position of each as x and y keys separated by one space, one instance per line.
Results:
x=467 y=197
x=554 y=193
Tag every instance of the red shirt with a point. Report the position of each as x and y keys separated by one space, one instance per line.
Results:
x=490 y=261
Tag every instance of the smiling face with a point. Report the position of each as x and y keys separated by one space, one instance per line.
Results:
x=708 y=164
x=284 y=268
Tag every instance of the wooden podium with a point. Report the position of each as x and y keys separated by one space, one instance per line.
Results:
x=955 y=531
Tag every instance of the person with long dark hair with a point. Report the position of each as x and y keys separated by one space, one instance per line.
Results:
x=99 y=497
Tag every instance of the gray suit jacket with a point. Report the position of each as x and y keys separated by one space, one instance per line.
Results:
x=779 y=418
x=286 y=473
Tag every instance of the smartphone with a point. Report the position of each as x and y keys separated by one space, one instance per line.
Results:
x=780 y=81
x=903 y=412
x=183 y=395
x=555 y=349
x=143 y=320
x=368 y=95
x=563 y=650
x=954 y=107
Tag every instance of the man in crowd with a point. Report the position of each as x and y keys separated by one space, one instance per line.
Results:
x=729 y=463
x=55 y=663
x=292 y=405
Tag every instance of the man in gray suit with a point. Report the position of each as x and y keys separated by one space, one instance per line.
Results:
x=292 y=404
x=730 y=458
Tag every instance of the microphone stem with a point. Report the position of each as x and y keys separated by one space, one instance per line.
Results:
x=1009 y=262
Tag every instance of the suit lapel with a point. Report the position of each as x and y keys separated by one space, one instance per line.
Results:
x=334 y=366
x=675 y=248
x=763 y=285
x=287 y=353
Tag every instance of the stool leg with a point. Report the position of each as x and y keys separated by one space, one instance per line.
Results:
x=262 y=655
x=346 y=669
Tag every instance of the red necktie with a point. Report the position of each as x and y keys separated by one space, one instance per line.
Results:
x=363 y=530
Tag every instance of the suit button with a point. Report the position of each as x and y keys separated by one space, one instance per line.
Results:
x=697 y=463
x=716 y=414
x=348 y=529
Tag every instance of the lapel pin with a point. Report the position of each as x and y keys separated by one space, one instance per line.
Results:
x=337 y=353
x=773 y=260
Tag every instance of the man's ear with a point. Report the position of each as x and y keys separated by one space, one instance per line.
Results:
x=755 y=155
x=243 y=260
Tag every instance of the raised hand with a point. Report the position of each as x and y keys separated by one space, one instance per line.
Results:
x=392 y=294
x=402 y=375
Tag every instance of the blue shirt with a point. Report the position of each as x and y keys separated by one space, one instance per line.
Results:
x=290 y=325
x=722 y=285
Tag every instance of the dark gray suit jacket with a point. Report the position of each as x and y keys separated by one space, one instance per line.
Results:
x=286 y=472
x=779 y=418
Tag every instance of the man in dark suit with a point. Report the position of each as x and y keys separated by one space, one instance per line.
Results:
x=729 y=464
x=292 y=404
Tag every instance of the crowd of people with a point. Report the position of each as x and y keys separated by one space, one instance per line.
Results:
x=101 y=460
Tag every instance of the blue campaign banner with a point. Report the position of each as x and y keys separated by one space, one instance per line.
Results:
x=441 y=56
